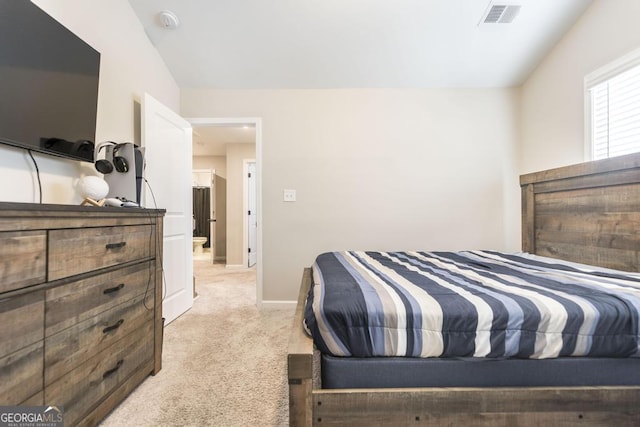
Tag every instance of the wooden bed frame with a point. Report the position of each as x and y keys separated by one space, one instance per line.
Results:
x=588 y=213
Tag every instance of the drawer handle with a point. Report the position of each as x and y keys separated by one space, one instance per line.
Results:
x=113 y=327
x=112 y=370
x=116 y=245
x=114 y=289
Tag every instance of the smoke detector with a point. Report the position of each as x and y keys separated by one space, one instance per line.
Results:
x=168 y=20
x=500 y=13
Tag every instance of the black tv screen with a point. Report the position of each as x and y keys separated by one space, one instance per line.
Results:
x=48 y=84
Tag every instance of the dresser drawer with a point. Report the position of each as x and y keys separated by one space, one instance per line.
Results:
x=21 y=322
x=21 y=347
x=22 y=259
x=79 y=250
x=69 y=348
x=35 y=400
x=81 y=389
x=81 y=300
x=21 y=374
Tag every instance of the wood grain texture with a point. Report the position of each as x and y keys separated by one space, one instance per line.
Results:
x=477 y=406
x=300 y=353
x=22 y=259
x=21 y=322
x=68 y=348
x=588 y=213
x=598 y=167
x=21 y=374
x=21 y=347
x=35 y=400
x=78 y=301
x=82 y=389
x=67 y=318
x=158 y=333
x=34 y=216
x=105 y=406
x=76 y=251
x=528 y=226
x=300 y=362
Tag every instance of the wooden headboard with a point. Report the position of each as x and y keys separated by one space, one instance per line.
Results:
x=588 y=213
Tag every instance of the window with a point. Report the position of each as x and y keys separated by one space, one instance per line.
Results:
x=612 y=111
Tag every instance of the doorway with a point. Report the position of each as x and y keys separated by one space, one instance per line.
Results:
x=252 y=214
x=204 y=214
x=240 y=246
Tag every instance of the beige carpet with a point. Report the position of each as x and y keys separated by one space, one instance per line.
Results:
x=223 y=363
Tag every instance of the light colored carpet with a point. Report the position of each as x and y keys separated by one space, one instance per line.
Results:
x=223 y=362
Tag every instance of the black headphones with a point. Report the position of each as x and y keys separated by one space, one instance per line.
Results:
x=119 y=163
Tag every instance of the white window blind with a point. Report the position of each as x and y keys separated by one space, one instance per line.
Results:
x=615 y=115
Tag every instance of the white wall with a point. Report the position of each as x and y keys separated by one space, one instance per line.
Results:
x=377 y=169
x=219 y=163
x=553 y=96
x=130 y=66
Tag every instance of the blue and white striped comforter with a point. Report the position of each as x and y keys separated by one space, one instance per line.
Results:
x=474 y=303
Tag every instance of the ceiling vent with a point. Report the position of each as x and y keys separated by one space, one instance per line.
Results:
x=501 y=14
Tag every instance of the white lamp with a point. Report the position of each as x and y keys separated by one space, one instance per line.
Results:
x=94 y=189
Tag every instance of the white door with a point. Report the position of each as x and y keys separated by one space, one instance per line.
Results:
x=252 y=225
x=167 y=140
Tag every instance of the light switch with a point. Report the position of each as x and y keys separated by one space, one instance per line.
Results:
x=289 y=195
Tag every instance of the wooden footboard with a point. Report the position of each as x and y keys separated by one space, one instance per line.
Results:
x=539 y=406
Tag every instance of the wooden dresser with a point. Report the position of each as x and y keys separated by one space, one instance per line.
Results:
x=80 y=305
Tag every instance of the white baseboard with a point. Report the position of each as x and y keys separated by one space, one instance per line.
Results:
x=236 y=267
x=270 y=305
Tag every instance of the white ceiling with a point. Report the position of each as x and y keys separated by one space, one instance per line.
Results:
x=318 y=44
x=306 y=44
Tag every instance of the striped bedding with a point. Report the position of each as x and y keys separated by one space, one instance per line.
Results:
x=470 y=304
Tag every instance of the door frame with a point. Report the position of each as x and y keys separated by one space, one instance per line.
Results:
x=212 y=213
x=257 y=123
x=245 y=202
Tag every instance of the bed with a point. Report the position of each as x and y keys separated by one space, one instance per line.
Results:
x=587 y=213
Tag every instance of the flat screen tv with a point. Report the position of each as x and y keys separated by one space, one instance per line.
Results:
x=48 y=84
